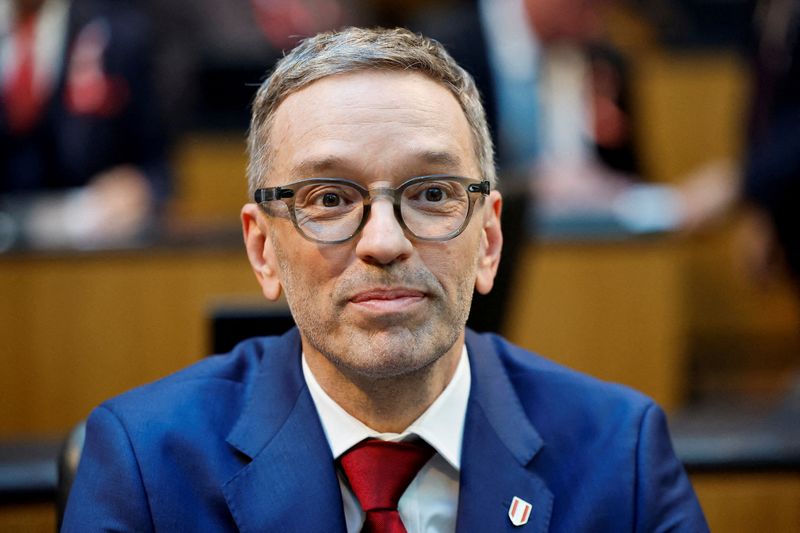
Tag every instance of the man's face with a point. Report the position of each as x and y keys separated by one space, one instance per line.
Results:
x=382 y=304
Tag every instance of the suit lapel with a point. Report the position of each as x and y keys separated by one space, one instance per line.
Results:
x=498 y=450
x=288 y=481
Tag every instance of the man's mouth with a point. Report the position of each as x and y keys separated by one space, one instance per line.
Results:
x=387 y=300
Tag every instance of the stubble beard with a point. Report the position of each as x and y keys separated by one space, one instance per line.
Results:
x=380 y=349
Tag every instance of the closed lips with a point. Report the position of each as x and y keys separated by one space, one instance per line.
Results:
x=386 y=294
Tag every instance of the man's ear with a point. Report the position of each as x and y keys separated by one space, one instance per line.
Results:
x=491 y=243
x=260 y=251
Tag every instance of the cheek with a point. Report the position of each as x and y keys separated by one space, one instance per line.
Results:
x=454 y=266
x=304 y=263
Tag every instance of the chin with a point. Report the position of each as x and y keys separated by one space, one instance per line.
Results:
x=392 y=352
x=386 y=366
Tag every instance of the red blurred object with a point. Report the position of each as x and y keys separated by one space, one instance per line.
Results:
x=89 y=90
x=284 y=22
x=22 y=101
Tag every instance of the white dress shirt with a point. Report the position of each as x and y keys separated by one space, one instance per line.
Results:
x=557 y=81
x=50 y=34
x=557 y=77
x=430 y=502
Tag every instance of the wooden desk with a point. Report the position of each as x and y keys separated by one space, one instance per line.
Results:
x=751 y=502
x=28 y=518
x=78 y=327
x=613 y=309
x=81 y=327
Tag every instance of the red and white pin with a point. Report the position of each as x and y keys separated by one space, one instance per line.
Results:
x=519 y=512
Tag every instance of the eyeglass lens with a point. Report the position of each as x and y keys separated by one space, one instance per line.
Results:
x=333 y=211
x=328 y=212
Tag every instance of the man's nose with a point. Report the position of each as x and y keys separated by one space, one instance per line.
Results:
x=382 y=240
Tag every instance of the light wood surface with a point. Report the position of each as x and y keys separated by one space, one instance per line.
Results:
x=689 y=109
x=614 y=310
x=750 y=502
x=28 y=518
x=211 y=182
x=80 y=328
x=83 y=327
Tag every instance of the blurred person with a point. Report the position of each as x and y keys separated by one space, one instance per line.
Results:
x=560 y=97
x=766 y=183
x=557 y=102
x=771 y=173
x=764 y=188
x=212 y=54
x=375 y=213
x=82 y=146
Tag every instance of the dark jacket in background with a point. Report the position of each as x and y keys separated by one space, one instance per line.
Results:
x=772 y=173
x=70 y=144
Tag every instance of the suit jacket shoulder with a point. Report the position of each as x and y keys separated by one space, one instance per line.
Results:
x=235 y=443
x=194 y=451
x=588 y=455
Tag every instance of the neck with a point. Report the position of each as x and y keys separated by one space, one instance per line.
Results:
x=386 y=404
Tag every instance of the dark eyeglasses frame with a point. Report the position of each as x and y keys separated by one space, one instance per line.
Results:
x=286 y=194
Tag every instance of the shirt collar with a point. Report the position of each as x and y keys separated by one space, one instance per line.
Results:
x=441 y=425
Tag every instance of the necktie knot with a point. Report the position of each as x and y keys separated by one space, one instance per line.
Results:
x=379 y=472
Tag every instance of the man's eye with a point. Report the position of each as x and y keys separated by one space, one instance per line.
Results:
x=434 y=194
x=330 y=199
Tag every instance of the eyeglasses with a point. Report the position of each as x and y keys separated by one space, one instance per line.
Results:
x=331 y=210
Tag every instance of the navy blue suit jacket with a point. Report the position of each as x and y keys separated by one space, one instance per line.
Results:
x=235 y=442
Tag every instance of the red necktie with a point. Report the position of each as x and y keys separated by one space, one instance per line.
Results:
x=379 y=472
x=22 y=102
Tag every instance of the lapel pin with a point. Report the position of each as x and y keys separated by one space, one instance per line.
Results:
x=519 y=512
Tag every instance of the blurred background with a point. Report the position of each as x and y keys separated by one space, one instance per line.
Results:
x=649 y=155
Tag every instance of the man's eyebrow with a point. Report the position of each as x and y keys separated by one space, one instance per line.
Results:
x=441 y=159
x=315 y=167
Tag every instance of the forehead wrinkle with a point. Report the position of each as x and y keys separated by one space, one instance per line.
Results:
x=432 y=161
x=322 y=144
x=352 y=111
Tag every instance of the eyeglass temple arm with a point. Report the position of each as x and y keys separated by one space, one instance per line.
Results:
x=483 y=187
x=272 y=193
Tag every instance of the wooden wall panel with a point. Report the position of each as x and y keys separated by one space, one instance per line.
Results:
x=28 y=518
x=689 y=109
x=750 y=502
x=79 y=329
x=610 y=309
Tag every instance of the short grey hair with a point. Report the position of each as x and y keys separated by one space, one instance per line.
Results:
x=354 y=49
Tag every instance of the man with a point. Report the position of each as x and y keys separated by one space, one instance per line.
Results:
x=553 y=88
x=557 y=101
x=373 y=171
x=79 y=120
x=767 y=182
x=771 y=176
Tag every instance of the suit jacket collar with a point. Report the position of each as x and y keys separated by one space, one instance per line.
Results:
x=288 y=481
x=500 y=444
